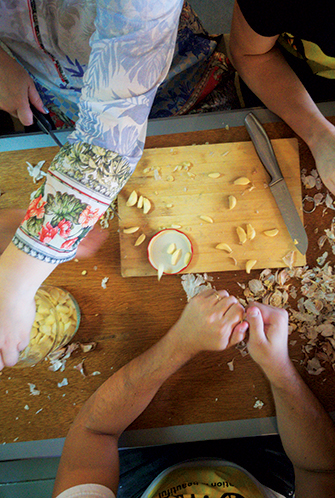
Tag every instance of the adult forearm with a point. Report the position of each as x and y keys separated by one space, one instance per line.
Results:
x=306 y=430
x=271 y=78
x=125 y=395
x=21 y=271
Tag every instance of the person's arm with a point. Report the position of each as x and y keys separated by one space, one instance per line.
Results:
x=17 y=90
x=90 y=453
x=264 y=69
x=131 y=54
x=306 y=430
x=20 y=277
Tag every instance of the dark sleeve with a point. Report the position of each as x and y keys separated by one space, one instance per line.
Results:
x=266 y=17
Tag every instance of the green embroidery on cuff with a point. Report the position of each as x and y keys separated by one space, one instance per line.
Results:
x=98 y=169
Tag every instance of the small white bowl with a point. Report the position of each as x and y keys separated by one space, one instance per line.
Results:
x=158 y=255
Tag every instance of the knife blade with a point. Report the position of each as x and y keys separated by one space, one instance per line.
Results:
x=277 y=183
x=44 y=124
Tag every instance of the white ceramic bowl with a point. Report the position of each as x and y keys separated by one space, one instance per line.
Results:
x=159 y=257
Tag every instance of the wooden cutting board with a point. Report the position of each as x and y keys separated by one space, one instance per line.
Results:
x=181 y=193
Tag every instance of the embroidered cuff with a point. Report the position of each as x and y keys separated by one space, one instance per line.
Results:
x=81 y=183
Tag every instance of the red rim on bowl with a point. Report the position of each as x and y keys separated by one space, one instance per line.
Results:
x=161 y=250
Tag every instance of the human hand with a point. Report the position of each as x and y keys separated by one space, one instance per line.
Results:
x=17 y=90
x=268 y=333
x=17 y=314
x=323 y=150
x=211 y=322
x=20 y=277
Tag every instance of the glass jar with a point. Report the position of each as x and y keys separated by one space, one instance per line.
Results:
x=56 y=321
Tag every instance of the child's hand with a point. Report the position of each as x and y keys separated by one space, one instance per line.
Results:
x=211 y=322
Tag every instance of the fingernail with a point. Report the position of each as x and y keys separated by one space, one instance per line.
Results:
x=253 y=312
x=45 y=110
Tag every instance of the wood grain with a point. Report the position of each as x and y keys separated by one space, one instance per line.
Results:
x=133 y=313
x=183 y=200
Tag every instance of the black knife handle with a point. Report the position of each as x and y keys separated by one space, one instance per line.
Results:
x=263 y=147
x=45 y=124
x=41 y=119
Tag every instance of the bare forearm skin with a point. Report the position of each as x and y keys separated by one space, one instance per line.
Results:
x=22 y=272
x=130 y=390
x=306 y=430
x=271 y=78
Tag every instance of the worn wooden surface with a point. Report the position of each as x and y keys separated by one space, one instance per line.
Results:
x=130 y=315
x=179 y=199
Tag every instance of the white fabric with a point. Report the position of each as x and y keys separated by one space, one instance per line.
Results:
x=87 y=491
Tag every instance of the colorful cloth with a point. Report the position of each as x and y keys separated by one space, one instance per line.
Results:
x=111 y=73
x=100 y=64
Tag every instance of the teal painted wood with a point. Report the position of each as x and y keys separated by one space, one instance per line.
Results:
x=32 y=489
x=32 y=469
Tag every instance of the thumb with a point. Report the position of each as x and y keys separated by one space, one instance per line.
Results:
x=35 y=99
x=25 y=115
x=256 y=324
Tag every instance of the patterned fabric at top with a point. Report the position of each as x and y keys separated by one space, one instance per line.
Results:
x=113 y=80
x=99 y=63
x=306 y=29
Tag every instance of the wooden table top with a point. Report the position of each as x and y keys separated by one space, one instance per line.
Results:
x=133 y=313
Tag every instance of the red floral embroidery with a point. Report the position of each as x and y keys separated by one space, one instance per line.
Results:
x=47 y=233
x=68 y=243
x=64 y=228
x=36 y=208
x=89 y=217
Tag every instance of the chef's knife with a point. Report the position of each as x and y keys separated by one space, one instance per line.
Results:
x=44 y=124
x=277 y=184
